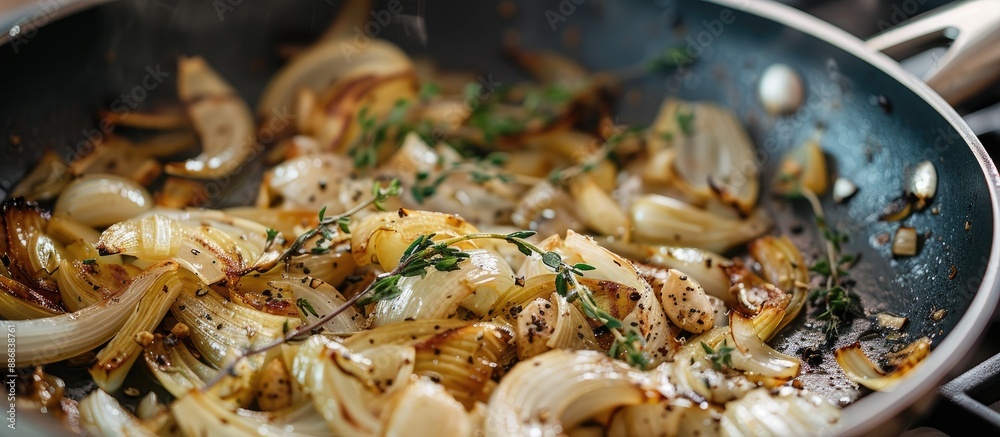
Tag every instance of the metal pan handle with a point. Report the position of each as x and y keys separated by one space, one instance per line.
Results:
x=973 y=60
x=19 y=19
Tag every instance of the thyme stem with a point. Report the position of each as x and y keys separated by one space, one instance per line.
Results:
x=564 y=176
x=831 y=250
x=326 y=224
x=839 y=302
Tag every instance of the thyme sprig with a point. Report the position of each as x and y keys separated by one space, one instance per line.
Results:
x=429 y=91
x=425 y=253
x=837 y=302
x=670 y=60
x=562 y=177
x=496 y=116
x=480 y=171
x=374 y=132
x=305 y=307
x=721 y=357
x=685 y=120
x=325 y=228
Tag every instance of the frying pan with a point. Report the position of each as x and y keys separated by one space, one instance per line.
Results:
x=88 y=54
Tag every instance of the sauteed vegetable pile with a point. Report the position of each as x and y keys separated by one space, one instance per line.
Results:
x=432 y=253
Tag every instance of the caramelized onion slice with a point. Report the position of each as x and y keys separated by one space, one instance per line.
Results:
x=29 y=250
x=51 y=339
x=663 y=220
x=860 y=369
x=425 y=408
x=382 y=238
x=115 y=360
x=20 y=302
x=101 y=414
x=755 y=357
x=120 y=157
x=210 y=244
x=400 y=333
x=321 y=65
x=46 y=180
x=221 y=118
x=218 y=326
x=466 y=360
x=803 y=167
x=437 y=295
x=783 y=265
x=785 y=412
x=342 y=384
x=100 y=200
x=714 y=155
x=559 y=389
x=203 y=414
